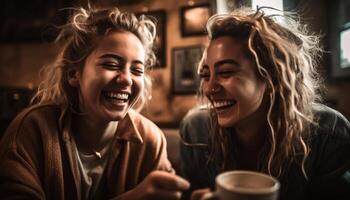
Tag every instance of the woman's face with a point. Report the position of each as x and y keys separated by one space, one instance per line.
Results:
x=231 y=84
x=112 y=78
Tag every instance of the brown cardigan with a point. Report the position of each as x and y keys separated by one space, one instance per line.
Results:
x=37 y=160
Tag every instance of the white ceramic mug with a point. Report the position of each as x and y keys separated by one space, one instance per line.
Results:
x=244 y=185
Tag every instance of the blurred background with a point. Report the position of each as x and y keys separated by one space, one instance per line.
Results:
x=27 y=32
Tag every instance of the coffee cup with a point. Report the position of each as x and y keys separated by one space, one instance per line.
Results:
x=244 y=185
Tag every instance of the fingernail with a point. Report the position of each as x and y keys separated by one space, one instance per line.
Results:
x=184 y=183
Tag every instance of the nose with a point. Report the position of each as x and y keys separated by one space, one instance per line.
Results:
x=211 y=86
x=124 y=78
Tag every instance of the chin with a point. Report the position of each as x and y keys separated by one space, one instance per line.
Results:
x=118 y=117
x=115 y=116
x=225 y=123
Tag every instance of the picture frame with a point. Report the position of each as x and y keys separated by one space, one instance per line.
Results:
x=185 y=60
x=345 y=47
x=339 y=40
x=193 y=19
x=31 y=21
x=160 y=42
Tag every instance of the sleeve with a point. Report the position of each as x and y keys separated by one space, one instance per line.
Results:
x=194 y=130
x=162 y=161
x=19 y=166
x=333 y=181
x=153 y=153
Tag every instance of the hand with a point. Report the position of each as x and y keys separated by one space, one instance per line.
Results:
x=199 y=194
x=158 y=185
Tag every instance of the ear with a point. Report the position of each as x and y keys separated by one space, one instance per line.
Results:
x=73 y=77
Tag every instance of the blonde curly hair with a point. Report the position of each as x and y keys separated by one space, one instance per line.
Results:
x=286 y=56
x=77 y=38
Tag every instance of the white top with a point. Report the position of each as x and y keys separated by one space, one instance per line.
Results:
x=91 y=168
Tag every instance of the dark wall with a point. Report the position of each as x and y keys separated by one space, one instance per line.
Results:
x=12 y=101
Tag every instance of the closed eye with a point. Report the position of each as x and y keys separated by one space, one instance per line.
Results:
x=110 y=65
x=226 y=74
x=111 y=61
x=137 y=70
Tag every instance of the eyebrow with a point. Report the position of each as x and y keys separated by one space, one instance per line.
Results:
x=117 y=57
x=226 y=61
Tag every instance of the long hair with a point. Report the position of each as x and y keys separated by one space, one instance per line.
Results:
x=285 y=57
x=77 y=38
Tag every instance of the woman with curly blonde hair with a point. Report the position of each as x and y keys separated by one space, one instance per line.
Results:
x=259 y=77
x=84 y=139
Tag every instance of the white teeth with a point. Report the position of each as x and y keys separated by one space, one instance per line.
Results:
x=118 y=95
x=219 y=104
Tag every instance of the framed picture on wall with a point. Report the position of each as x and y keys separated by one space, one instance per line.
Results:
x=160 y=44
x=339 y=39
x=193 y=19
x=185 y=60
x=345 y=47
x=31 y=21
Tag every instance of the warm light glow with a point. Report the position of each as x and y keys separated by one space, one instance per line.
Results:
x=145 y=9
x=190 y=3
x=196 y=18
x=345 y=48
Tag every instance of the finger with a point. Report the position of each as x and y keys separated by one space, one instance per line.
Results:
x=169 y=181
x=198 y=194
x=166 y=194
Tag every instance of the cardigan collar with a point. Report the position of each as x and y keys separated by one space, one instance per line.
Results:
x=126 y=127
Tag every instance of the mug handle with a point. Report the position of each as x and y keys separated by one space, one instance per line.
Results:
x=210 y=196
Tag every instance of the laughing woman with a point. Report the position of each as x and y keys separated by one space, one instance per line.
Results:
x=83 y=139
x=259 y=77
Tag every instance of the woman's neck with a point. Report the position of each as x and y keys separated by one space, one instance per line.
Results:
x=250 y=137
x=251 y=132
x=249 y=145
x=90 y=135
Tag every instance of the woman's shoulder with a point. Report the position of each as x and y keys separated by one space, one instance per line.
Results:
x=332 y=122
x=29 y=123
x=41 y=109
x=328 y=161
x=197 y=119
x=197 y=115
x=37 y=113
x=140 y=121
x=195 y=126
x=147 y=129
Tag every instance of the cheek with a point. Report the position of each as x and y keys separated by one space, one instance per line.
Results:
x=96 y=78
x=234 y=86
x=204 y=88
x=138 y=85
x=261 y=88
x=256 y=93
x=249 y=92
x=89 y=84
x=92 y=84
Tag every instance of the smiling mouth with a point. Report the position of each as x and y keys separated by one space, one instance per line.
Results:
x=116 y=97
x=222 y=105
